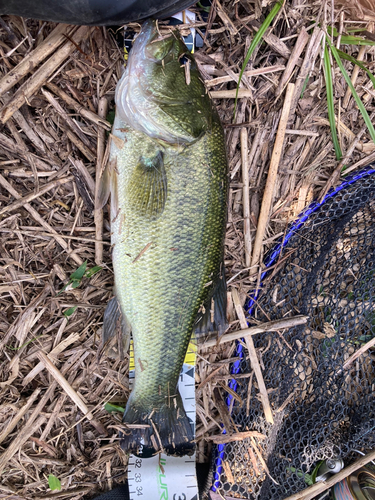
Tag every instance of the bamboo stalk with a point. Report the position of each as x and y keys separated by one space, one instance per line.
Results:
x=40 y=76
x=271 y=179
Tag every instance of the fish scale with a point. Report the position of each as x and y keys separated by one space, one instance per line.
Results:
x=164 y=256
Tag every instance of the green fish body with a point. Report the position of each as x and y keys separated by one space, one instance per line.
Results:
x=167 y=174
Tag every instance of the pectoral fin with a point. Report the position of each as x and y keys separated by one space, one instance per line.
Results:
x=148 y=186
x=213 y=317
x=116 y=330
x=108 y=186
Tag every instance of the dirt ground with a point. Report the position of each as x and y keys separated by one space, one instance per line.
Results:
x=54 y=101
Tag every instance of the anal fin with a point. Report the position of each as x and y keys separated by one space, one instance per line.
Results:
x=116 y=330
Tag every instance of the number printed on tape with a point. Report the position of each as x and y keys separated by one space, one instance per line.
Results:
x=163 y=477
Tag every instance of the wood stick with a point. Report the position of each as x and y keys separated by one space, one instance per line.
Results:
x=73 y=104
x=270 y=326
x=40 y=76
x=98 y=212
x=47 y=47
x=41 y=221
x=318 y=488
x=246 y=196
x=271 y=179
x=61 y=380
x=32 y=196
x=253 y=358
x=25 y=408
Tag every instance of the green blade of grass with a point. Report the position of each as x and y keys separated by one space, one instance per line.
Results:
x=256 y=40
x=331 y=108
x=360 y=104
x=350 y=39
x=353 y=60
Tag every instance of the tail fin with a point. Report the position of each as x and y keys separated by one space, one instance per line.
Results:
x=149 y=431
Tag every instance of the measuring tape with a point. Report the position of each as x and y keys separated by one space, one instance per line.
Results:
x=163 y=477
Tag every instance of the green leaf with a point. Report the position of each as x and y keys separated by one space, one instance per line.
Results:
x=54 y=483
x=80 y=272
x=75 y=283
x=360 y=104
x=109 y=407
x=206 y=9
x=92 y=271
x=331 y=108
x=70 y=311
x=315 y=471
x=111 y=116
x=306 y=477
x=353 y=60
x=256 y=40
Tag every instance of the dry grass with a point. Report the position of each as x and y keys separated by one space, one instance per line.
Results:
x=52 y=419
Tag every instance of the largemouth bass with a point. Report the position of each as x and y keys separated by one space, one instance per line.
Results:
x=167 y=174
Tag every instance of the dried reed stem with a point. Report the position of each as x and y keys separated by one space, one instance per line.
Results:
x=41 y=75
x=253 y=358
x=271 y=179
x=270 y=326
x=47 y=47
x=40 y=220
x=98 y=212
x=246 y=196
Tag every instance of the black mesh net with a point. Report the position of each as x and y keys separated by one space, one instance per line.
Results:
x=321 y=396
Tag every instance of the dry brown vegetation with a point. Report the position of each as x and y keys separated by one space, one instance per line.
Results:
x=53 y=98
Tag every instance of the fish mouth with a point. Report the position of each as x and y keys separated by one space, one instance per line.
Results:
x=149 y=33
